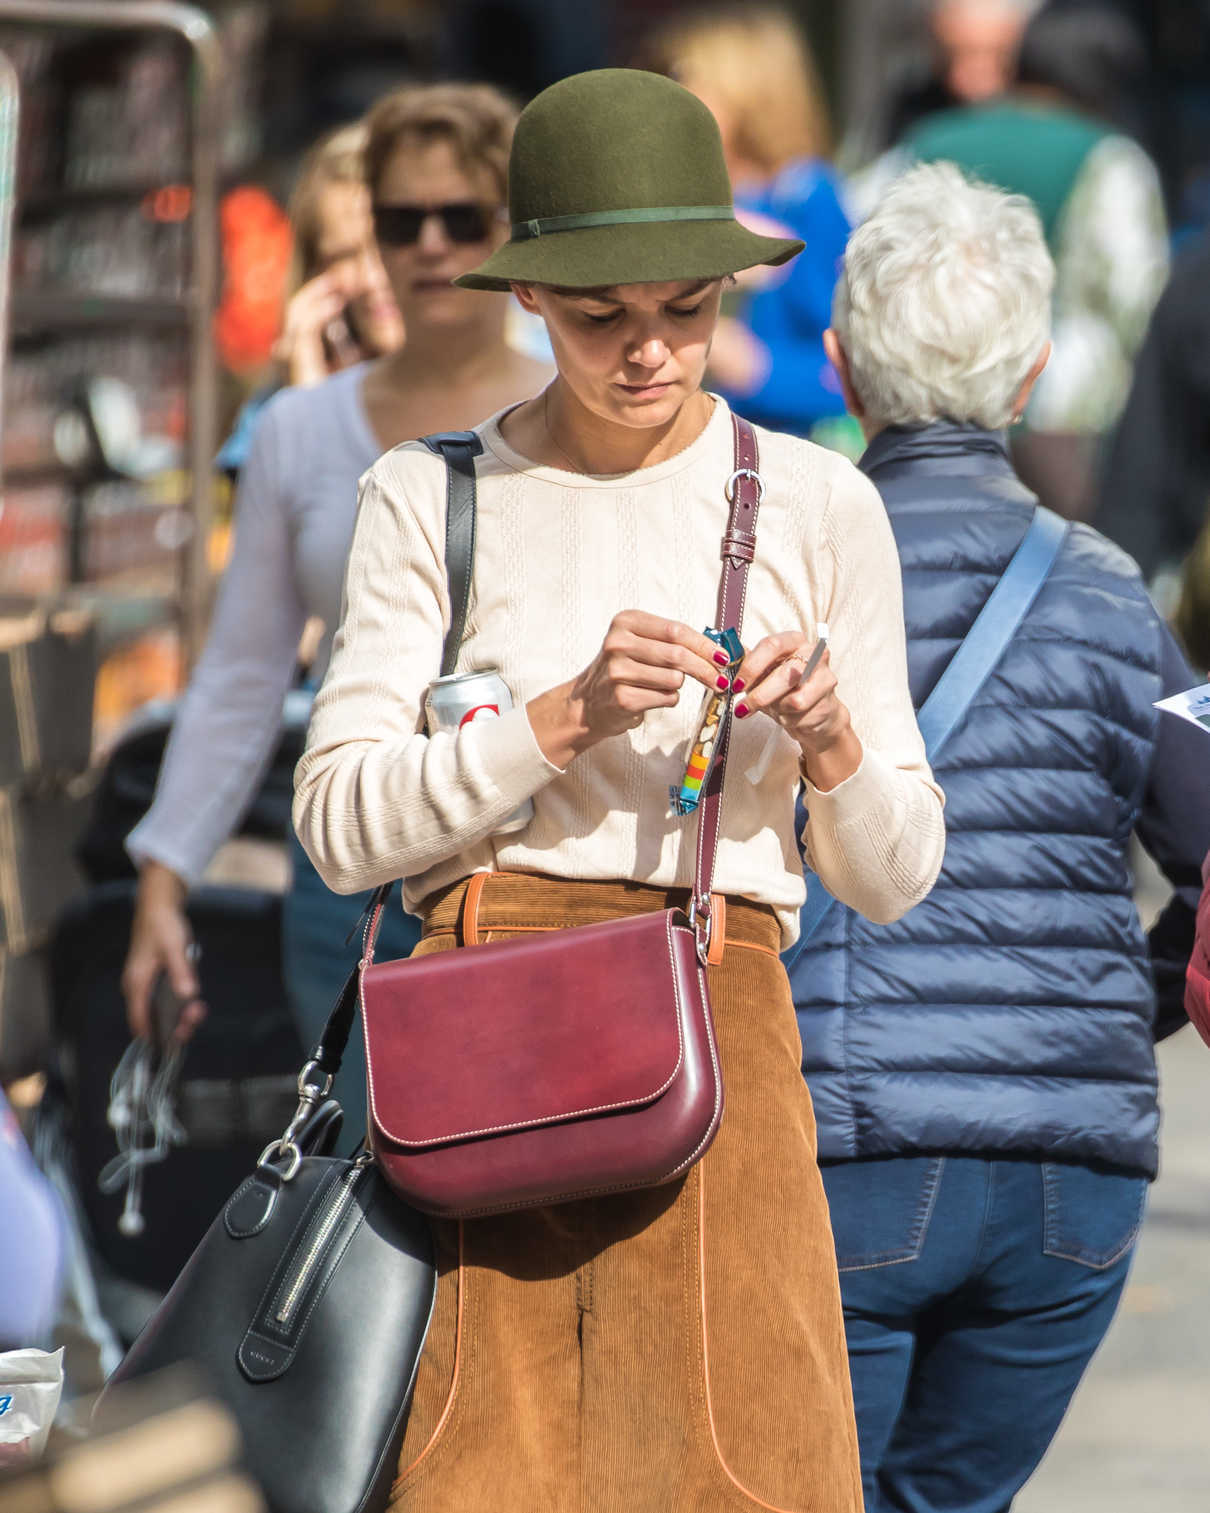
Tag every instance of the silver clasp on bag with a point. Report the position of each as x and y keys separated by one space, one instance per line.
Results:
x=287 y=1148
x=703 y=926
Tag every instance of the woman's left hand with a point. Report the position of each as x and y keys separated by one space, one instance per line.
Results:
x=769 y=681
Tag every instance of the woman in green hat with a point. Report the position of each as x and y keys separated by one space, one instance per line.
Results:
x=678 y=1348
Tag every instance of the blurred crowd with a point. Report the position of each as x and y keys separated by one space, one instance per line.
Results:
x=1061 y=353
x=1051 y=101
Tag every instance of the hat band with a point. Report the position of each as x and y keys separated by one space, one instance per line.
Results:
x=524 y=231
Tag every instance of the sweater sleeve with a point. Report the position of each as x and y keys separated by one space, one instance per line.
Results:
x=376 y=797
x=877 y=839
x=230 y=715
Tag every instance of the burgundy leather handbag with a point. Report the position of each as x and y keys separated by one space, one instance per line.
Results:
x=566 y=1064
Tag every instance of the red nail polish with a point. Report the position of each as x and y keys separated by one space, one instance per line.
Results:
x=724 y=684
x=721 y=658
x=738 y=686
x=741 y=711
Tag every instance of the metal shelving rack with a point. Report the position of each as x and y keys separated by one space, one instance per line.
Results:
x=54 y=310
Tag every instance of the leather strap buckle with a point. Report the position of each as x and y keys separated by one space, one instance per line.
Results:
x=729 y=488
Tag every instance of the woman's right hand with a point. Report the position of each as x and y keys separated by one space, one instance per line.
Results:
x=316 y=311
x=160 y=939
x=642 y=664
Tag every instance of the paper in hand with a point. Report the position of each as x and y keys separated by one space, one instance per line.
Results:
x=1192 y=705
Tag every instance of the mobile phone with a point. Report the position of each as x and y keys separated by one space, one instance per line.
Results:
x=339 y=343
x=814 y=659
x=760 y=766
x=167 y=1005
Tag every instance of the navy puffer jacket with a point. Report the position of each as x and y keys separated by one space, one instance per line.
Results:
x=1011 y=1012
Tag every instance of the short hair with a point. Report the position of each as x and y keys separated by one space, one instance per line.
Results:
x=337 y=158
x=755 y=59
x=1089 y=52
x=943 y=303
x=477 y=121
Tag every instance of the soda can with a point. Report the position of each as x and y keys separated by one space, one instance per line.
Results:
x=463 y=697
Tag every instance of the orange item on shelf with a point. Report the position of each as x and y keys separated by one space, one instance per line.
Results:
x=150 y=667
x=257 y=247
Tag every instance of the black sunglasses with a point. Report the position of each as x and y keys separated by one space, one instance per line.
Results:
x=400 y=225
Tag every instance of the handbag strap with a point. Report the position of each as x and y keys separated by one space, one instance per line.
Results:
x=744 y=490
x=459 y=449
x=969 y=668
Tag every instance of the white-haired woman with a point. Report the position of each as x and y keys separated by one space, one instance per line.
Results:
x=983 y=1074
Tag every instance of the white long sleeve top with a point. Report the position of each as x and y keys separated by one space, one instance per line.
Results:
x=294 y=516
x=558 y=554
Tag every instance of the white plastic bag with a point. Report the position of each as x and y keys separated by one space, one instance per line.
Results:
x=30 y=1384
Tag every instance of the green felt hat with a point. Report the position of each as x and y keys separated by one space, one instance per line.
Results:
x=617 y=177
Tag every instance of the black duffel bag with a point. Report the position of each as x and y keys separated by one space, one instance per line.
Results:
x=305 y=1308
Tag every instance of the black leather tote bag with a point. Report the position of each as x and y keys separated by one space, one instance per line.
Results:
x=305 y=1307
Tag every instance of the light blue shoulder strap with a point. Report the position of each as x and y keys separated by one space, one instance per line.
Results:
x=968 y=670
x=988 y=638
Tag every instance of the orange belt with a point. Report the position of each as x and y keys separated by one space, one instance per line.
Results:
x=472 y=929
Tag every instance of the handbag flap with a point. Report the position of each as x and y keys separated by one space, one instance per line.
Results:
x=525 y=1032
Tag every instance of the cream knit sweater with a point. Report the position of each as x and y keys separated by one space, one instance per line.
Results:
x=558 y=554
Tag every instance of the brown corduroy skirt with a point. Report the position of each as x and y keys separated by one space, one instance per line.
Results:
x=675 y=1350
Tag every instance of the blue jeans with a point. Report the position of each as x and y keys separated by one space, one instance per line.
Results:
x=316 y=961
x=975 y=1294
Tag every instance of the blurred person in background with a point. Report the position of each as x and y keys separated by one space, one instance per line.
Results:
x=435 y=163
x=977 y=42
x=31 y=1242
x=983 y=1071
x=1192 y=617
x=1192 y=622
x=1154 y=493
x=750 y=64
x=1197 y=984
x=972 y=56
x=1053 y=138
x=342 y=310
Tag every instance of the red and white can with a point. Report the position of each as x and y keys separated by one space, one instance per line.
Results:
x=463 y=697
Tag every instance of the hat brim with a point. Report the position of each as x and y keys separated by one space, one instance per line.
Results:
x=653 y=252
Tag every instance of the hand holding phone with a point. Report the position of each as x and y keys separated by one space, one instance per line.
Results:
x=315 y=337
x=175 y=1016
x=160 y=941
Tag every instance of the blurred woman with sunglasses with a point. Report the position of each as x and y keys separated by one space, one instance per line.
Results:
x=435 y=165
x=341 y=310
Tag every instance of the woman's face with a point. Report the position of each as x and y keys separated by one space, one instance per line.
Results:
x=634 y=353
x=345 y=249
x=423 y=251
